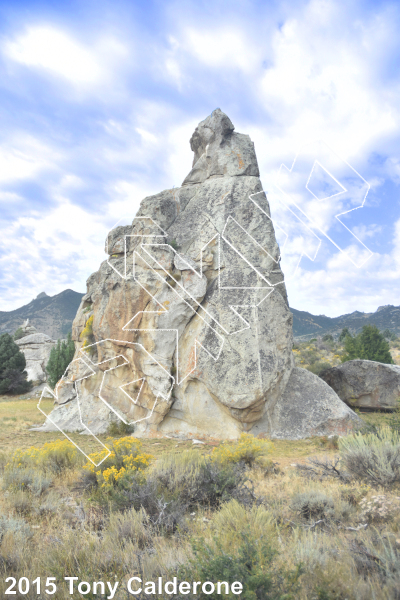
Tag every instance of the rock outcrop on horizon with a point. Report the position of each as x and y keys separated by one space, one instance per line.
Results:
x=186 y=330
x=36 y=348
x=365 y=384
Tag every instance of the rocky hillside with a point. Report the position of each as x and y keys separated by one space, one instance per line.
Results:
x=306 y=325
x=52 y=315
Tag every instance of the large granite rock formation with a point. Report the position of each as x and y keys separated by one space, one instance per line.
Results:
x=187 y=327
x=365 y=383
x=36 y=348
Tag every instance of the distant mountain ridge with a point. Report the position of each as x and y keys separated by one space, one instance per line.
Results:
x=306 y=325
x=52 y=315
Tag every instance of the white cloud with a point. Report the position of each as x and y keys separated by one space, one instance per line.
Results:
x=323 y=81
x=23 y=156
x=53 y=51
x=71 y=181
x=323 y=85
x=146 y=136
x=48 y=48
x=50 y=252
x=9 y=198
x=339 y=287
x=225 y=47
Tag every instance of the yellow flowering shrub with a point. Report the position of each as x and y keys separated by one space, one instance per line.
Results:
x=53 y=456
x=87 y=333
x=125 y=460
x=247 y=449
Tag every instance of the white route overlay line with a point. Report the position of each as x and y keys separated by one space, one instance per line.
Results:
x=126 y=362
x=185 y=291
x=199 y=305
x=139 y=219
x=316 y=162
x=196 y=342
x=283 y=166
x=164 y=309
x=55 y=396
x=281 y=248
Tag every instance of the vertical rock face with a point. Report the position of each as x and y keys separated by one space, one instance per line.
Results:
x=191 y=329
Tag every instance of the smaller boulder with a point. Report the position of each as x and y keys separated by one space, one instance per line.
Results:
x=308 y=407
x=36 y=348
x=365 y=383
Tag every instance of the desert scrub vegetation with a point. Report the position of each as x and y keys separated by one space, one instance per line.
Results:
x=114 y=468
x=54 y=457
x=246 y=449
x=318 y=354
x=373 y=457
x=204 y=514
x=325 y=352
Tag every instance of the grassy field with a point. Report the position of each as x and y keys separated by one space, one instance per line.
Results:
x=18 y=416
x=248 y=511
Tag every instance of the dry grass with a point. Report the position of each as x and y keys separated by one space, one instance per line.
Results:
x=348 y=549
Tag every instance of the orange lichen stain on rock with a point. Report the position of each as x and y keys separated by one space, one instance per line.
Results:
x=239 y=157
x=165 y=305
x=191 y=362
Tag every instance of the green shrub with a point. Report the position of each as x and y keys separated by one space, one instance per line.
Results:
x=21 y=502
x=389 y=335
x=232 y=518
x=196 y=479
x=130 y=526
x=178 y=483
x=374 y=457
x=343 y=334
x=327 y=338
x=318 y=367
x=18 y=334
x=174 y=244
x=12 y=365
x=250 y=562
x=370 y=344
x=16 y=479
x=119 y=429
x=394 y=419
x=313 y=505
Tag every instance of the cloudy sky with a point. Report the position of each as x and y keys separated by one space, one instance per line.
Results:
x=98 y=100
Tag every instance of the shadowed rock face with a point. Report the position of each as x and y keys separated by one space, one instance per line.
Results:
x=365 y=383
x=203 y=323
